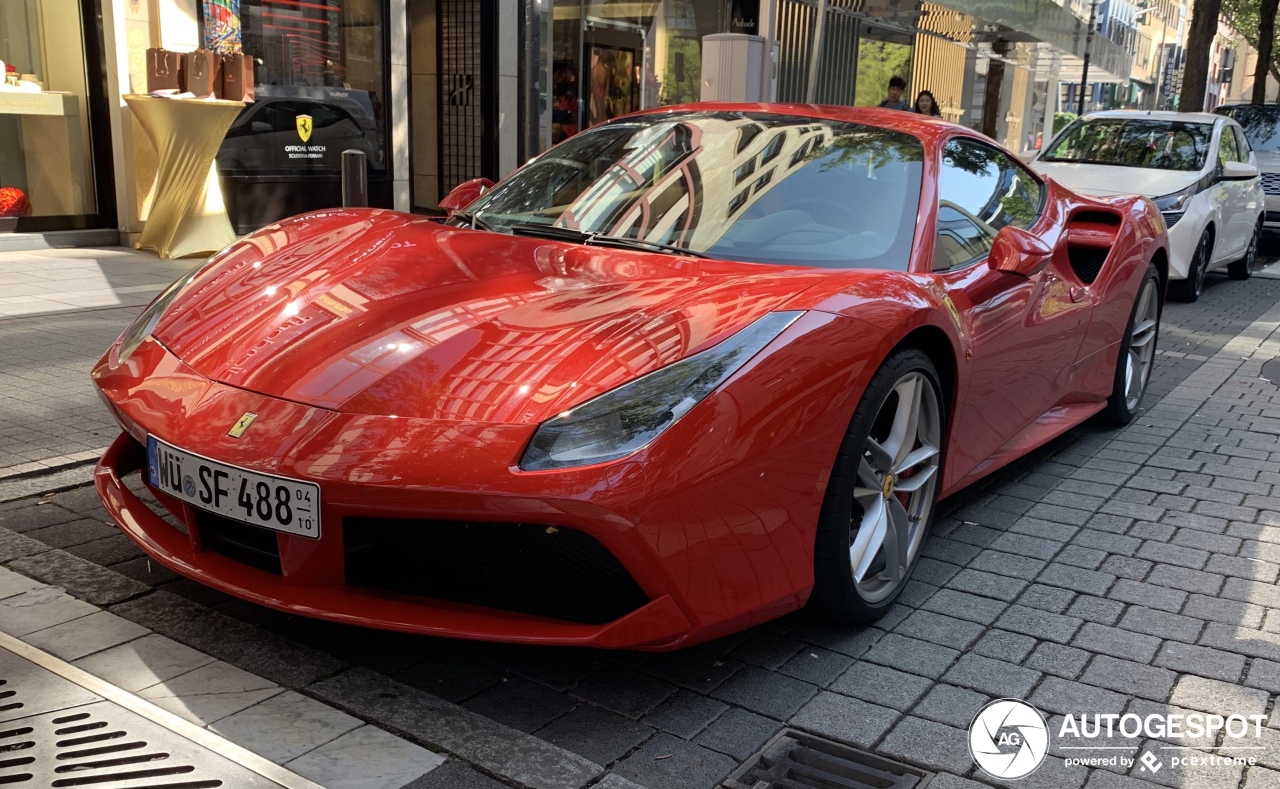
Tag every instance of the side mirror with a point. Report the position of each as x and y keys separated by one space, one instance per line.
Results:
x=1238 y=171
x=464 y=194
x=1015 y=251
x=260 y=127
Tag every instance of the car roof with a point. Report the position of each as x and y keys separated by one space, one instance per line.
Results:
x=927 y=128
x=1185 y=117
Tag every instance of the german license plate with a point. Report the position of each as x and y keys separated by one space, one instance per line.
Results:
x=264 y=500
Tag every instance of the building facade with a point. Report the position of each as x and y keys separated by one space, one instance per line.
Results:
x=435 y=92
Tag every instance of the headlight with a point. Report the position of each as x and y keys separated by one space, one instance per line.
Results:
x=1173 y=206
x=624 y=420
x=145 y=323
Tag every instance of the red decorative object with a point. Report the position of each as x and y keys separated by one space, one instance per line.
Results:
x=13 y=202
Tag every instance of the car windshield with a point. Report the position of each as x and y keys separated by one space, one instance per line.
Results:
x=741 y=186
x=1134 y=142
x=1261 y=125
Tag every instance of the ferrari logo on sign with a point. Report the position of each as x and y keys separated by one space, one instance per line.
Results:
x=242 y=424
x=304 y=127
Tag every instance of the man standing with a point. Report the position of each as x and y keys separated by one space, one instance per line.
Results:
x=894 y=100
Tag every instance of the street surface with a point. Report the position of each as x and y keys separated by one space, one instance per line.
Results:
x=1113 y=571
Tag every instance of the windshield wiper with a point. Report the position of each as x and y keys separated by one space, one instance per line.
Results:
x=473 y=221
x=599 y=239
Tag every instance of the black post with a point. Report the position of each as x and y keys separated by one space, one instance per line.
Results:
x=355 y=179
x=1088 y=43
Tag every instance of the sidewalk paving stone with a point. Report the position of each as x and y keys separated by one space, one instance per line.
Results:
x=285 y=726
x=738 y=733
x=85 y=636
x=210 y=693
x=143 y=662
x=596 y=734
x=363 y=758
x=843 y=718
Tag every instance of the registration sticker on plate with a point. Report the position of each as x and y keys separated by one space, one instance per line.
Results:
x=264 y=500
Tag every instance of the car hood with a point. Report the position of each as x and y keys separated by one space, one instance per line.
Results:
x=1268 y=162
x=1102 y=180
x=374 y=312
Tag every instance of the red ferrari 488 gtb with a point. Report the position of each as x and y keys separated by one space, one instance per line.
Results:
x=687 y=371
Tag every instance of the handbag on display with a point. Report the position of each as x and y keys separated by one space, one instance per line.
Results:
x=162 y=70
x=198 y=73
x=237 y=77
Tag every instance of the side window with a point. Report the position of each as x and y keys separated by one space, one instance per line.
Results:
x=1242 y=143
x=980 y=190
x=1227 y=147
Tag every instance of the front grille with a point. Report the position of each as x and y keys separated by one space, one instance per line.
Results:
x=549 y=571
x=247 y=544
x=1271 y=183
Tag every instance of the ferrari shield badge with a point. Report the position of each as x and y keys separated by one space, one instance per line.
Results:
x=304 y=127
x=242 y=424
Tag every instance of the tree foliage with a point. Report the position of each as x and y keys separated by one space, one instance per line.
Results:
x=1252 y=19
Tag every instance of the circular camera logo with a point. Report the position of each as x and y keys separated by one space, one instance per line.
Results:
x=1008 y=738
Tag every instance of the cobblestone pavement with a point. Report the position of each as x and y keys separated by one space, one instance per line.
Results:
x=1113 y=571
x=59 y=309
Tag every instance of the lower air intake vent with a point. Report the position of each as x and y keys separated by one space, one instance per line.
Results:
x=250 y=545
x=1090 y=237
x=549 y=571
x=795 y=760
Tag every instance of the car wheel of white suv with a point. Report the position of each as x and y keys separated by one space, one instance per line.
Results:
x=1243 y=268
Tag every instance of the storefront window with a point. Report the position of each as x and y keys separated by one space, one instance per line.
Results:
x=45 y=148
x=882 y=55
x=319 y=89
x=593 y=60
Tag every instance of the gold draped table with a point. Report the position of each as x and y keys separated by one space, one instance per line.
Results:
x=187 y=214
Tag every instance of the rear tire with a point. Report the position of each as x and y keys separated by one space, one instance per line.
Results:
x=1243 y=268
x=882 y=493
x=1137 y=352
x=1189 y=289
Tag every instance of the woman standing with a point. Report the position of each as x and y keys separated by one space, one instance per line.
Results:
x=926 y=104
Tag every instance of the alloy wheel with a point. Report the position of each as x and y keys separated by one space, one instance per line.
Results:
x=895 y=486
x=1142 y=346
x=1200 y=263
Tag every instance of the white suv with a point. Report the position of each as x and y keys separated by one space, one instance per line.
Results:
x=1261 y=126
x=1198 y=168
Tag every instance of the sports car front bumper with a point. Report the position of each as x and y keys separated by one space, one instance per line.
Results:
x=717 y=535
x=657 y=622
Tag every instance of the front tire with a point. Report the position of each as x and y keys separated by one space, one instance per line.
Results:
x=1189 y=289
x=1137 y=352
x=882 y=493
x=1243 y=268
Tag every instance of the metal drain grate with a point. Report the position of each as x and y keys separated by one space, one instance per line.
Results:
x=68 y=729
x=104 y=746
x=796 y=760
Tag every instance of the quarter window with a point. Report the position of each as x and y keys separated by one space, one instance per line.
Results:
x=1242 y=143
x=980 y=190
x=1227 y=147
